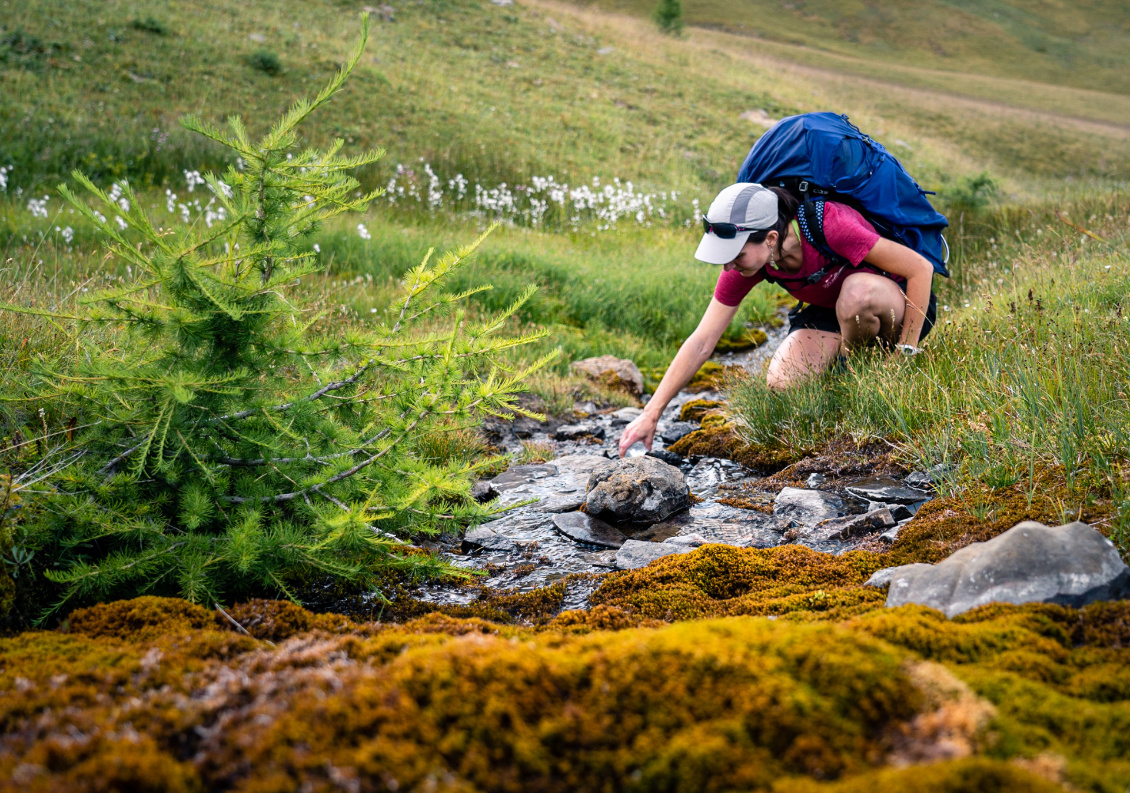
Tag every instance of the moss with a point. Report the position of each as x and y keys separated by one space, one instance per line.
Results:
x=980 y=774
x=142 y=619
x=722 y=441
x=600 y=618
x=721 y=580
x=695 y=409
x=746 y=339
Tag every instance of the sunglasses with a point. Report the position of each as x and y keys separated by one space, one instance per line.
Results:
x=724 y=231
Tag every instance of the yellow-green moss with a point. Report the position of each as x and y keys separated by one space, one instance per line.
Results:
x=722 y=441
x=747 y=338
x=980 y=774
x=695 y=409
x=141 y=619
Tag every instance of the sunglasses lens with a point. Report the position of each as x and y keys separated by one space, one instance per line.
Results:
x=725 y=231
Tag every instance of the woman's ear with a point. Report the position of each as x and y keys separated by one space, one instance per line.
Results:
x=771 y=238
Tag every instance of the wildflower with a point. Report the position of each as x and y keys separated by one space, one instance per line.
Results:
x=121 y=223
x=193 y=178
x=363 y=232
x=67 y=234
x=317 y=248
x=38 y=207
x=4 y=171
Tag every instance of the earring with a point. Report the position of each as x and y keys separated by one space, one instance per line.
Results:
x=772 y=260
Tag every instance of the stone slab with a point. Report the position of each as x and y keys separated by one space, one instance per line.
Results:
x=807 y=507
x=634 y=553
x=583 y=528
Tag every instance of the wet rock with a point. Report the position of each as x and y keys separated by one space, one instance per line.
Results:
x=888 y=491
x=888 y=537
x=851 y=526
x=815 y=481
x=585 y=408
x=483 y=492
x=690 y=540
x=488 y=539
x=925 y=480
x=1071 y=565
x=581 y=464
x=625 y=416
x=898 y=511
x=612 y=371
x=586 y=529
x=563 y=502
x=668 y=457
x=637 y=490
x=634 y=553
x=521 y=475
x=807 y=507
x=575 y=432
x=677 y=430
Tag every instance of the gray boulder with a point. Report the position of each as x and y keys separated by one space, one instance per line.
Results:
x=1071 y=565
x=585 y=528
x=888 y=491
x=637 y=490
x=612 y=371
x=677 y=430
x=807 y=507
x=636 y=553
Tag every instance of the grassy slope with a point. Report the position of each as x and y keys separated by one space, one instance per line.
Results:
x=1079 y=44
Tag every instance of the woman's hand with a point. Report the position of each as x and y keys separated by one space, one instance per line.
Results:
x=642 y=429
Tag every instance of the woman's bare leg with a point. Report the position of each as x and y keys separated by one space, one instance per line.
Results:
x=870 y=306
x=802 y=354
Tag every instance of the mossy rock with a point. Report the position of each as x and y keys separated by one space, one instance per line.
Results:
x=695 y=409
x=747 y=339
x=718 y=439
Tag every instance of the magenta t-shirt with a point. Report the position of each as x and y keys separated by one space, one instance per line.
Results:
x=848 y=234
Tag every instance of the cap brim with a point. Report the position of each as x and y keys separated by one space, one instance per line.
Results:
x=715 y=250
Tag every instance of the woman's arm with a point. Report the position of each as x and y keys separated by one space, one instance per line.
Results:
x=694 y=352
x=898 y=259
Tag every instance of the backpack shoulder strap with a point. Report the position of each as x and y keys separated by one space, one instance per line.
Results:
x=810 y=218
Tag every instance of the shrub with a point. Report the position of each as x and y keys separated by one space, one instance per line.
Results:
x=238 y=442
x=265 y=61
x=150 y=24
x=669 y=17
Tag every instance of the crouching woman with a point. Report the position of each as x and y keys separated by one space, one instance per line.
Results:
x=873 y=290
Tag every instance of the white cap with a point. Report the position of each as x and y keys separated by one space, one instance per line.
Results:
x=744 y=204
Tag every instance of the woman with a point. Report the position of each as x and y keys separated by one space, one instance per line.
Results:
x=883 y=293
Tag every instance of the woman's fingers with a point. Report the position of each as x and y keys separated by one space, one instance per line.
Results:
x=640 y=430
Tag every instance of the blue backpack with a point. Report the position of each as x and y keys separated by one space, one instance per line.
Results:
x=823 y=155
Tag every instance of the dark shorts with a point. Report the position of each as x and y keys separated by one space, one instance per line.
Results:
x=804 y=316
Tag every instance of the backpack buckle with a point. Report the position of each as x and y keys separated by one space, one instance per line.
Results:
x=803 y=186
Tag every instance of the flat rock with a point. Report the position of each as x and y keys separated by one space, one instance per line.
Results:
x=625 y=416
x=585 y=528
x=637 y=490
x=581 y=463
x=634 y=553
x=488 y=539
x=690 y=540
x=925 y=480
x=815 y=481
x=561 y=502
x=1071 y=565
x=888 y=491
x=574 y=432
x=851 y=526
x=676 y=430
x=521 y=475
x=612 y=371
x=807 y=507
x=668 y=457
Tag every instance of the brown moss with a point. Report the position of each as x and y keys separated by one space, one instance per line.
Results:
x=142 y=619
x=722 y=580
x=600 y=618
x=695 y=409
x=722 y=441
x=980 y=774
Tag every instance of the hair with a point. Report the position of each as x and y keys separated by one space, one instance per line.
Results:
x=787 y=205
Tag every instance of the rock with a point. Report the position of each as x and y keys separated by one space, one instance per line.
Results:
x=634 y=553
x=925 y=480
x=585 y=408
x=881 y=578
x=585 y=528
x=888 y=491
x=1071 y=565
x=625 y=416
x=691 y=540
x=807 y=507
x=668 y=457
x=815 y=481
x=581 y=463
x=488 y=539
x=612 y=371
x=677 y=430
x=637 y=490
x=890 y=535
x=521 y=475
x=898 y=511
x=574 y=432
x=854 y=525
x=483 y=491
x=562 y=502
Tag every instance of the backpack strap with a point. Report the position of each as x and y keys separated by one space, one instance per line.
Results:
x=810 y=219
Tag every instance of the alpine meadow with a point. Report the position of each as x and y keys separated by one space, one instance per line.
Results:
x=330 y=332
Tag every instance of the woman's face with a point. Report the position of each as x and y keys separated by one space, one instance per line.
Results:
x=753 y=256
